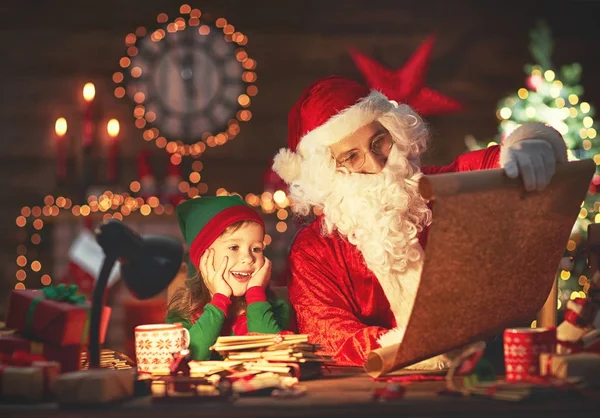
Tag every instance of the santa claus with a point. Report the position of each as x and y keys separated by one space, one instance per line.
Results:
x=355 y=154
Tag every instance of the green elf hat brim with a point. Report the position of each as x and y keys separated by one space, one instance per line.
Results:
x=203 y=220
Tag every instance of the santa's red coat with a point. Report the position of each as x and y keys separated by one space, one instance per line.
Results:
x=338 y=301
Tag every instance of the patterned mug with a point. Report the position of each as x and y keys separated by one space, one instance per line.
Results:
x=156 y=343
x=522 y=349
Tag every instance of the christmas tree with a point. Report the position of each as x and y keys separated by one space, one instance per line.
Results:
x=554 y=97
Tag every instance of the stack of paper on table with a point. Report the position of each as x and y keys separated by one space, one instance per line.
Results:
x=288 y=355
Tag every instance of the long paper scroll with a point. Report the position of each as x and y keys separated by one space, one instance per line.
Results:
x=491 y=258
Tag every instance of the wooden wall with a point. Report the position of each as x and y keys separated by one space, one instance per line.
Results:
x=49 y=49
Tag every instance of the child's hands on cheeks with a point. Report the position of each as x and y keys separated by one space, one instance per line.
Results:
x=214 y=278
x=262 y=276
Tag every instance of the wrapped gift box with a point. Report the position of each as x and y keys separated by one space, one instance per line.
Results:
x=28 y=384
x=61 y=323
x=69 y=356
x=585 y=366
x=94 y=387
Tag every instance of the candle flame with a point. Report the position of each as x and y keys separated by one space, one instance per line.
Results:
x=60 y=127
x=89 y=92
x=112 y=127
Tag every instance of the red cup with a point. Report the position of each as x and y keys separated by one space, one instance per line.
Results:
x=522 y=349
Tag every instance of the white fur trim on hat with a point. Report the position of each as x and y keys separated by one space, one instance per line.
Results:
x=287 y=165
x=535 y=130
x=346 y=122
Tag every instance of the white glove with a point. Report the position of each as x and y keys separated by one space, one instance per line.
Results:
x=534 y=159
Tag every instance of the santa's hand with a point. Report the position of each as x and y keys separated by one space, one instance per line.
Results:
x=534 y=159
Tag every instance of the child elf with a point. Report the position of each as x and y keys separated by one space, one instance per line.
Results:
x=230 y=294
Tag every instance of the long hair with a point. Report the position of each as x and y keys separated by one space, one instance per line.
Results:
x=187 y=301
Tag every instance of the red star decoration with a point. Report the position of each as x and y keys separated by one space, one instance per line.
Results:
x=407 y=84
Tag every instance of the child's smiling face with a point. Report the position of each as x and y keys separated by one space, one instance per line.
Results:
x=244 y=250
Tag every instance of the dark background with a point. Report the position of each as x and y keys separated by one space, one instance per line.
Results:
x=49 y=49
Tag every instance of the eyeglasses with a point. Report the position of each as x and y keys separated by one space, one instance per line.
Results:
x=355 y=159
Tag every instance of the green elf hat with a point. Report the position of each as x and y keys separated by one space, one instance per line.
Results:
x=203 y=219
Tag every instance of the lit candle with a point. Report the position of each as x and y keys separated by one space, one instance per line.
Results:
x=60 y=129
x=84 y=165
x=89 y=92
x=112 y=128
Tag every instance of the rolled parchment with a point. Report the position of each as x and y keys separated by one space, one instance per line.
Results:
x=491 y=258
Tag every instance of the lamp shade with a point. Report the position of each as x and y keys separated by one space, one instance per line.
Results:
x=148 y=264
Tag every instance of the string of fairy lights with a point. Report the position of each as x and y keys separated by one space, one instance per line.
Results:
x=189 y=18
x=113 y=205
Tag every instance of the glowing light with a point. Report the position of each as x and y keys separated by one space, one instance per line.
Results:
x=46 y=280
x=281 y=226
x=505 y=113
x=21 y=261
x=588 y=122
x=60 y=126
x=282 y=214
x=523 y=93
x=279 y=197
x=130 y=39
x=565 y=275
x=19 y=286
x=112 y=128
x=549 y=75
x=591 y=133
x=89 y=92
x=119 y=92
x=194 y=177
x=36 y=266
x=136 y=72
x=530 y=112
x=584 y=107
x=555 y=91
x=21 y=221
x=573 y=99
x=268 y=239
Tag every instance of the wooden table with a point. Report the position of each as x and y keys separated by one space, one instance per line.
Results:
x=344 y=392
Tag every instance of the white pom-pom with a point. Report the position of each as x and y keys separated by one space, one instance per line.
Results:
x=287 y=165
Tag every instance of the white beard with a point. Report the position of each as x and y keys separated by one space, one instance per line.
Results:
x=381 y=214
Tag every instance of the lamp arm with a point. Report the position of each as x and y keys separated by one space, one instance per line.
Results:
x=97 y=308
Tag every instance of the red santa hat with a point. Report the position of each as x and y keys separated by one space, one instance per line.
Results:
x=328 y=110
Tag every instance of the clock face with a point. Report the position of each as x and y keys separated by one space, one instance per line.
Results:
x=189 y=84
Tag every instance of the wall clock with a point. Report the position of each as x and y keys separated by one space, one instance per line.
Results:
x=190 y=82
